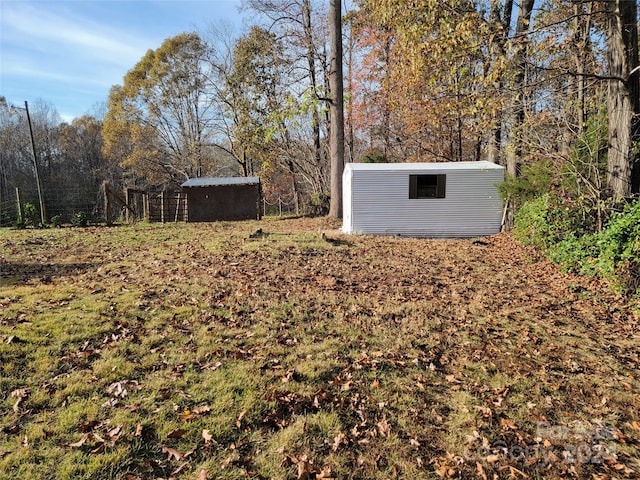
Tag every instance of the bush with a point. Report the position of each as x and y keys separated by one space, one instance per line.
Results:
x=30 y=215
x=374 y=156
x=576 y=254
x=549 y=219
x=56 y=221
x=319 y=204
x=555 y=226
x=531 y=226
x=79 y=219
x=619 y=245
x=536 y=180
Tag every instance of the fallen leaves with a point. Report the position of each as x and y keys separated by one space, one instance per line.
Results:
x=97 y=441
x=379 y=338
x=306 y=470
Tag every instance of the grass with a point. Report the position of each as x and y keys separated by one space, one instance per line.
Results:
x=204 y=351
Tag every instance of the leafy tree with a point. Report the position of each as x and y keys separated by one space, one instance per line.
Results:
x=253 y=95
x=157 y=121
x=439 y=77
x=301 y=137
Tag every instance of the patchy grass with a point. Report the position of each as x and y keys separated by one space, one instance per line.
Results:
x=221 y=351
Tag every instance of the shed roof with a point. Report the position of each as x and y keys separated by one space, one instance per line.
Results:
x=220 y=181
x=395 y=167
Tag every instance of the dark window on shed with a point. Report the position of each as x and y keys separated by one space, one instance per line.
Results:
x=427 y=186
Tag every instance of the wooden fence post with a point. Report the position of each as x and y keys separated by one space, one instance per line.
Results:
x=162 y=206
x=127 y=200
x=20 y=214
x=107 y=203
x=177 y=207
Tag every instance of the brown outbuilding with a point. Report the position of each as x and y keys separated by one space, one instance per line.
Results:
x=217 y=198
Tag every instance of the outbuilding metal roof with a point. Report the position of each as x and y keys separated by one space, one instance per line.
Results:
x=404 y=167
x=220 y=181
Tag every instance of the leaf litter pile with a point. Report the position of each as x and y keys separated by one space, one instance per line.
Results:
x=270 y=350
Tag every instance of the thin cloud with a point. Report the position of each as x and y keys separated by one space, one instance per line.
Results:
x=16 y=69
x=39 y=29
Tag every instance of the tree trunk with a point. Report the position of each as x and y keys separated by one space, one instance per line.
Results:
x=311 y=62
x=623 y=104
x=503 y=23
x=336 y=107
x=516 y=119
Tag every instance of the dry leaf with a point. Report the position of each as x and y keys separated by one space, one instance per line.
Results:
x=98 y=449
x=240 y=417
x=201 y=410
x=203 y=475
x=114 y=432
x=139 y=429
x=207 y=436
x=480 y=470
x=172 y=454
x=80 y=442
x=384 y=428
x=305 y=469
x=338 y=440
x=451 y=379
x=117 y=390
x=324 y=474
x=177 y=433
x=507 y=424
x=20 y=394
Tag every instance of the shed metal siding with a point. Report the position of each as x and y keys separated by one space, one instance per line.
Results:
x=376 y=200
x=214 y=199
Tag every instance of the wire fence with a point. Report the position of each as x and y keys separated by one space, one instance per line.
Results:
x=279 y=206
x=61 y=205
x=65 y=205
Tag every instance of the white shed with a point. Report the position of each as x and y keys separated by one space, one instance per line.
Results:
x=453 y=199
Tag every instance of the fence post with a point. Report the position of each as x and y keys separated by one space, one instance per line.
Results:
x=177 y=208
x=146 y=213
x=162 y=206
x=107 y=204
x=20 y=214
x=128 y=201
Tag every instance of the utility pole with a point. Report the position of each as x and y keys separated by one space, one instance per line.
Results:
x=43 y=214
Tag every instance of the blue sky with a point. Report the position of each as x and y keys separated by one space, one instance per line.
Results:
x=69 y=53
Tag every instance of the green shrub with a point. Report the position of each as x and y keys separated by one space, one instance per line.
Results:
x=576 y=254
x=56 y=221
x=532 y=225
x=535 y=180
x=79 y=219
x=374 y=156
x=30 y=215
x=319 y=204
x=619 y=245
